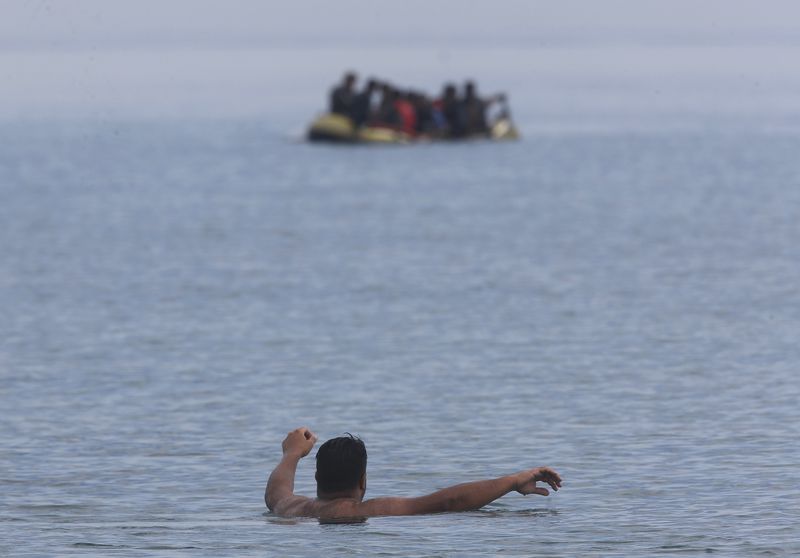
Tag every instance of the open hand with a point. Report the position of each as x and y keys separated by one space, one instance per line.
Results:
x=526 y=481
x=299 y=442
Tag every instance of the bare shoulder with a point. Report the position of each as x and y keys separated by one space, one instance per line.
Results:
x=294 y=506
x=301 y=506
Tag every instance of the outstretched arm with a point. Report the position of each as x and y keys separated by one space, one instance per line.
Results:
x=466 y=496
x=280 y=486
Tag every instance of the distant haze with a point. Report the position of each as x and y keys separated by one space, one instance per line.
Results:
x=272 y=60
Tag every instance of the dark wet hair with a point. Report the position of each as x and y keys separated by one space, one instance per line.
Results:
x=341 y=462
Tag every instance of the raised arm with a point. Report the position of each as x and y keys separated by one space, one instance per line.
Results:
x=466 y=496
x=280 y=486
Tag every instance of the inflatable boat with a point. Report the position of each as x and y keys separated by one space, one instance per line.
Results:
x=337 y=128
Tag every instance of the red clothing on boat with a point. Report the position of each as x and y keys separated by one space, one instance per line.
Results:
x=408 y=116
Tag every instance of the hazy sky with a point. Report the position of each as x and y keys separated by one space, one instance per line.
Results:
x=161 y=58
x=146 y=21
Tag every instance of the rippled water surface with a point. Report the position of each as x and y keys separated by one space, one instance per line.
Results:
x=622 y=306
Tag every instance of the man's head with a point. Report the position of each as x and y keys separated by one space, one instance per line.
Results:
x=341 y=466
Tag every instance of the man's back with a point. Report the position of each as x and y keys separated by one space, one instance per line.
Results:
x=342 y=483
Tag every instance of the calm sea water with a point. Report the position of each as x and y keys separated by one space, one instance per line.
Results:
x=622 y=306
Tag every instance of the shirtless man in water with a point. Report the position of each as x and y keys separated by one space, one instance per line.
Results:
x=342 y=481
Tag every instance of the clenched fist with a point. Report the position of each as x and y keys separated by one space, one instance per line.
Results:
x=299 y=442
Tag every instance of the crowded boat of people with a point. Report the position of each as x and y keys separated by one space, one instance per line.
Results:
x=380 y=112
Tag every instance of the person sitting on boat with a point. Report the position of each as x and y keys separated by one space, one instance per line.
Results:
x=407 y=113
x=342 y=96
x=425 y=119
x=438 y=121
x=453 y=113
x=342 y=482
x=474 y=110
x=387 y=114
x=362 y=104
